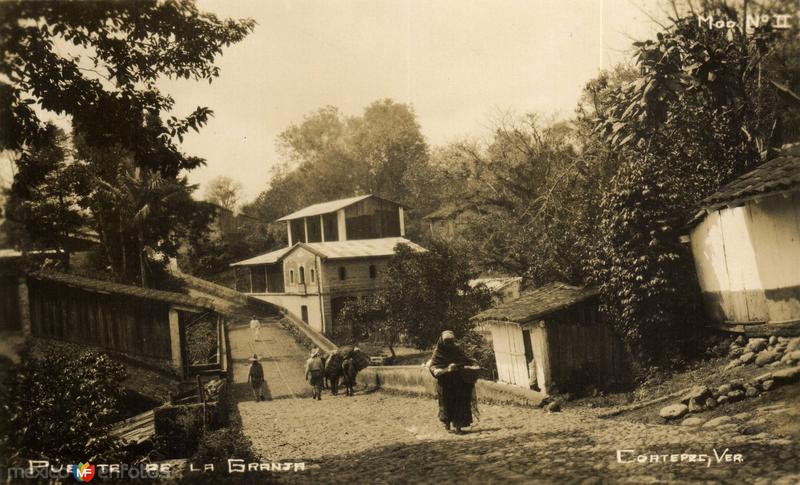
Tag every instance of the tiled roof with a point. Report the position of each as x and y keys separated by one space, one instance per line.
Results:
x=120 y=289
x=359 y=248
x=780 y=173
x=325 y=207
x=537 y=303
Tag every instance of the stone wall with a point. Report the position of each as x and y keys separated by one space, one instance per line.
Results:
x=417 y=380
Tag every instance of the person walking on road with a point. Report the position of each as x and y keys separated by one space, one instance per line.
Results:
x=455 y=375
x=255 y=376
x=333 y=370
x=315 y=373
x=255 y=326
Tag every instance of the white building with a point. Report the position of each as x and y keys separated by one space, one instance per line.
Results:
x=746 y=247
x=337 y=251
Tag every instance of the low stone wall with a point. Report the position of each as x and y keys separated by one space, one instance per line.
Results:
x=212 y=288
x=417 y=380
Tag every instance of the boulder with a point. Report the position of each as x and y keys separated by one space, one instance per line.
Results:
x=747 y=357
x=736 y=395
x=710 y=403
x=733 y=364
x=791 y=357
x=692 y=422
x=713 y=423
x=741 y=340
x=695 y=405
x=751 y=391
x=553 y=407
x=767 y=385
x=722 y=400
x=767 y=357
x=773 y=340
x=736 y=352
x=724 y=389
x=762 y=377
x=756 y=344
x=793 y=344
x=673 y=411
x=699 y=393
x=786 y=376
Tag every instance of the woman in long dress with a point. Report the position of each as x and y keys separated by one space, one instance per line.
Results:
x=455 y=375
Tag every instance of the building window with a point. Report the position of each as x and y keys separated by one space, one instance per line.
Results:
x=342 y=273
x=373 y=271
x=312 y=275
x=291 y=276
x=302 y=275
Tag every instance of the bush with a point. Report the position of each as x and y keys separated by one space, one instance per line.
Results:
x=220 y=445
x=179 y=430
x=201 y=341
x=478 y=348
x=61 y=407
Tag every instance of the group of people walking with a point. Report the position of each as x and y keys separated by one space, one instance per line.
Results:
x=455 y=375
x=331 y=370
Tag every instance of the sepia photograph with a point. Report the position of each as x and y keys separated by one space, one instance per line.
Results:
x=400 y=241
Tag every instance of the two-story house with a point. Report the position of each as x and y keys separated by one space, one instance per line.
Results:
x=337 y=251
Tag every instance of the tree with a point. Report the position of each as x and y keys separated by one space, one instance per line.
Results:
x=44 y=195
x=699 y=113
x=223 y=191
x=330 y=156
x=529 y=194
x=434 y=283
x=99 y=63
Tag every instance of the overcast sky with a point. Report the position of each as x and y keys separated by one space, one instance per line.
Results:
x=458 y=62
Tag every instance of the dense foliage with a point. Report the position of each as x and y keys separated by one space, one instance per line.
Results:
x=98 y=64
x=425 y=293
x=709 y=89
x=330 y=156
x=59 y=407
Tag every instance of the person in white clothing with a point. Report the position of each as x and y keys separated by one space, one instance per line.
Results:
x=255 y=326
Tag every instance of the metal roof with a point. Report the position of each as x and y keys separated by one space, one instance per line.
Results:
x=537 y=303
x=776 y=175
x=324 y=207
x=120 y=289
x=358 y=248
x=496 y=283
x=266 y=258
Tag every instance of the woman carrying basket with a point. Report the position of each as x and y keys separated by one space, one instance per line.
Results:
x=455 y=375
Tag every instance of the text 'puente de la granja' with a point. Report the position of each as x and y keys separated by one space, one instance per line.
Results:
x=337 y=251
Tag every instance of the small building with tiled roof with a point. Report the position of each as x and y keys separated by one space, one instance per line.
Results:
x=337 y=252
x=451 y=219
x=553 y=338
x=745 y=239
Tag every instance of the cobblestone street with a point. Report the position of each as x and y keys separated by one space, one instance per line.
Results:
x=380 y=437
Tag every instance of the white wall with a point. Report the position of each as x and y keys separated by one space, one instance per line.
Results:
x=292 y=304
x=509 y=351
x=748 y=260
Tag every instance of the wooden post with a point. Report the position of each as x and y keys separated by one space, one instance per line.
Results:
x=24 y=305
x=176 y=341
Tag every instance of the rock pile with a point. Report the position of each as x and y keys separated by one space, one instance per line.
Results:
x=764 y=352
x=702 y=398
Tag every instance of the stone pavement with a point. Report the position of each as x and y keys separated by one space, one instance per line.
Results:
x=384 y=438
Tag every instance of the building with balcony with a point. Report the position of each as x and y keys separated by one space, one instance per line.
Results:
x=337 y=251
